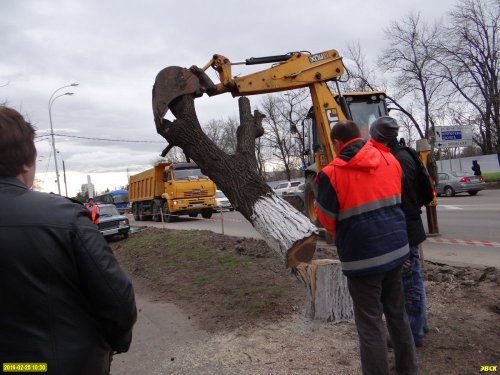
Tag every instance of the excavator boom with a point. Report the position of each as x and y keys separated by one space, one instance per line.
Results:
x=291 y=71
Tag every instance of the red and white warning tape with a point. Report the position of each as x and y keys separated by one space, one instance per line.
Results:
x=463 y=242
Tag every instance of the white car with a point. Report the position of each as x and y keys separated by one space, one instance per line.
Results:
x=222 y=202
x=286 y=187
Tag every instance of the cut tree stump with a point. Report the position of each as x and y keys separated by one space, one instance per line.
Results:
x=327 y=296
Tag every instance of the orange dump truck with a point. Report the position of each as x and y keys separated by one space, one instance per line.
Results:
x=170 y=190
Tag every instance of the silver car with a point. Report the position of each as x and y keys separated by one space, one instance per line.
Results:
x=451 y=183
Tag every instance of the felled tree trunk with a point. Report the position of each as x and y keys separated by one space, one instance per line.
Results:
x=327 y=296
x=289 y=233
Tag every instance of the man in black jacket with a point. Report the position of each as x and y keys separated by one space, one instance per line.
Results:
x=476 y=168
x=64 y=299
x=385 y=130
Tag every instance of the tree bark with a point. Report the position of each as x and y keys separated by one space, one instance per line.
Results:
x=327 y=296
x=289 y=233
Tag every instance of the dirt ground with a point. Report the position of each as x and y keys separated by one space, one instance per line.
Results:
x=239 y=291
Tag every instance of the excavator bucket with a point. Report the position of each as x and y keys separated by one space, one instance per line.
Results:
x=173 y=82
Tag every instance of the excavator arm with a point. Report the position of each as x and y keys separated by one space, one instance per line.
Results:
x=291 y=71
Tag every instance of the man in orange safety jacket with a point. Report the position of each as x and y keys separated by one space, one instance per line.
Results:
x=94 y=210
x=358 y=202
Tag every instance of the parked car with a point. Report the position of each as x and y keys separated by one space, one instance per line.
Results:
x=451 y=183
x=286 y=187
x=222 y=202
x=111 y=222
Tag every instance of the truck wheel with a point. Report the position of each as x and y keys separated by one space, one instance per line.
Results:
x=206 y=213
x=166 y=213
x=156 y=212
x=135 y=211
x=309 y=198
x=140 y=213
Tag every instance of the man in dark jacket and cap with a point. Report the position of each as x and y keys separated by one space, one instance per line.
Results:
x=65 y=302
x=385 y=130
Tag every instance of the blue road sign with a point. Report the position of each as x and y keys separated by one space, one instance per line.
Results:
x=451 y=135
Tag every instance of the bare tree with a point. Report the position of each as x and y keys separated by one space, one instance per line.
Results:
x=411 y=56
x=362 y=75
x=469 y=61
x=408 y=128
x=365 y=77
x=277 y=135
x=260 y=154
x=230 y=135
x=214 y=130
x=284 y=113
x=223 y=133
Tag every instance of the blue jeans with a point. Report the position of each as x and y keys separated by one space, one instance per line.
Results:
x=414 y=292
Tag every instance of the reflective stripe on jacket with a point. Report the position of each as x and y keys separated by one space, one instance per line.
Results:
x=359 y=197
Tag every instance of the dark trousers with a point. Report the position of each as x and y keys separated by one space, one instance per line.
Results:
x=374 y=296
x=414 y=290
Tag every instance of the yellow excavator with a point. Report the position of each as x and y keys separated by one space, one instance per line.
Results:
x=287 y=72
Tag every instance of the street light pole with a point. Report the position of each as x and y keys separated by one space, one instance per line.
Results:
x=51 y=101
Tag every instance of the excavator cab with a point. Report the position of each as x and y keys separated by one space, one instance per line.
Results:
x=363 y=108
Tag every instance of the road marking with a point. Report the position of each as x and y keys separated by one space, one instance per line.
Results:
x=464 y=242
x=450 y=207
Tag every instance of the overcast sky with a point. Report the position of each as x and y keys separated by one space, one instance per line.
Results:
x=114 y=49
